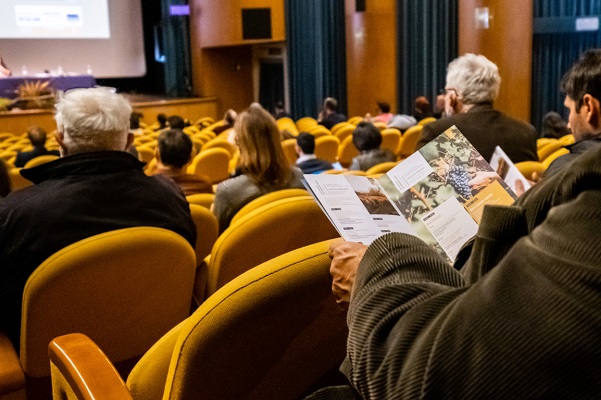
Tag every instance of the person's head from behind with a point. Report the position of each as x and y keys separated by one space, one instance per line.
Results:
x=366 y=137
x=230 y=117
x=554 y=126
x=261 y=154
x=93 y=119
x=176 y=122
x=305 y=143
x=37 y=136
x=471 y=79
x=162 y=120
x=134 y=120
x=174 y=148
x=383 y=107
x=422 y=108
x=330 y=104
x=582 y=87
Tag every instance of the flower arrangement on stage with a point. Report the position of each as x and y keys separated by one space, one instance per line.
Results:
x=34 y=95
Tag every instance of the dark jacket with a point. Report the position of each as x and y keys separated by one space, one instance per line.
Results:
x=332 y=119
x=74 y=198
x=576 y=150
x=314 y=165
x=25 y=156
x=487 y=128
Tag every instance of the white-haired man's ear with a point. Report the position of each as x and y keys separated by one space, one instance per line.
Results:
x=60 y=139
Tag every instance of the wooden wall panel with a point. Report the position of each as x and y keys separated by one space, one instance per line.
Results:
x=371 y=56
x=508 y=43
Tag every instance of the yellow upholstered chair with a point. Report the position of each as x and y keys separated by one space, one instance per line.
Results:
x=16 y=180
x=202 y=199
x=207 y=231
x=334 y=171
x=319 y=131
x=341 y=125
x=426 y=121
x=380 y=125
x=391 y=139
x=345 y=131
x=274 y=332
x=544 y=141
x=567 y=139
x=305 y=123
x=125 y=289
x=557 y=153
x=355 y=120
x=268 y=198
x=145 y=152
x=356 y=172
x=213 y=163
x=527 y=168
x=39 y=160
x=289 y=148
x=549 y=149
x=326 y=148
x=203 y=122
x=347 y=151
x=284 y=122
x=274 y=229
x=220 y=143
x=409 y=141
x=381 y=168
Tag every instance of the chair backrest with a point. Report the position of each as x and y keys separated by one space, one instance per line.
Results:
x=268 y=198
x=17 y=181
x=426 y=121
x=340 y=125
x=221 y=143
x=39 y=160
x=380 y=125
x=347 y=151
x=345 y=131
x=145 y=152
x=202 y=199
x=381 y=168
x=549 y=149
x=391 y=139
x=305 y=123
x=289 y=148
x=326 y=148
x=213 y=163
x=207 y=231
x=409 y=141
x=124 y=289
x=527 y=168
x=557 y=153
x=270 y=231
x=355 y=120
x=274 y=332
x=319 y=131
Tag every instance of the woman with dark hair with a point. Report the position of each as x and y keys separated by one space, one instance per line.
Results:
x=367 y=139
x=554 y=126
x=263 y=166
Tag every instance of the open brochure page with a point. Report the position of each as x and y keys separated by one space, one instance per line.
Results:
x=357 y=206
x=442 y=189
x=507 y=170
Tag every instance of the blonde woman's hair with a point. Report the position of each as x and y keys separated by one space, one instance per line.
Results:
x=261 y=154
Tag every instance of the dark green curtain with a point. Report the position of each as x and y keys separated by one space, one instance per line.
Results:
x=316 y=54
x=554 y=53
x=427 y=42
x=176 y=45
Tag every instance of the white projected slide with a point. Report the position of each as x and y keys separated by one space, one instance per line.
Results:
x=54 y=19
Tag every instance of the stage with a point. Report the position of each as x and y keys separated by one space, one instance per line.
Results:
x=17 y=121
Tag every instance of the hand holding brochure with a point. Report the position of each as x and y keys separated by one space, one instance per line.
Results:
x=437 y=194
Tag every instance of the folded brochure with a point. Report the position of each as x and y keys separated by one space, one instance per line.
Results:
x=437 y=194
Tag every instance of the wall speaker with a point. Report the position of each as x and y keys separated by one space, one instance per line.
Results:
x=360 y=5
x=256 y=23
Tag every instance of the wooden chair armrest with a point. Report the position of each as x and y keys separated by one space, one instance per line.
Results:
x=12 y=377
x=79 y=365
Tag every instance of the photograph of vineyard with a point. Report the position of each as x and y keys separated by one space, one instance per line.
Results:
x=372 y=197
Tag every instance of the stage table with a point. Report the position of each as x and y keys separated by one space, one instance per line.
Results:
x=8 y=86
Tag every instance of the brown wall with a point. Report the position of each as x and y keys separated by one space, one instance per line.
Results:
x=371 y=56
x=508 y=43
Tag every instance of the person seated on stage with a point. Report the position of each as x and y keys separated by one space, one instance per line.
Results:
x=329 y=117
x=307 y=160
x=4 y=70
x=173 y=154
x=262 y=168
x=37 y=137
x=472 y=85
x=95 y=187
x=520 y=320
x=176 y=122
x=367 y=139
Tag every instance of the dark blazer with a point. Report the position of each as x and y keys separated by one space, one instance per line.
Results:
x=487 y=128
x=25 y=156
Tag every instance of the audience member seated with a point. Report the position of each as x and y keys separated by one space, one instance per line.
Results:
x=229 y=118
x=176 y=122
x=279 y=111
x=554 y=126
x=93 y=188
x=162 y=120
x=37 y=137
x=329 y=116
x=307 y=160
x=402 y=122
x=472 y=86
x=5 y=183
x=521 y=319
x=582 y=86
x=262 y=168
x=367 y=139
x=173 y=154
x=383 y=113
x=422 y=108
x=134 y=123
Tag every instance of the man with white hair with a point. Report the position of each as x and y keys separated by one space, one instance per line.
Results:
x=472 y=86
x=95 y=187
